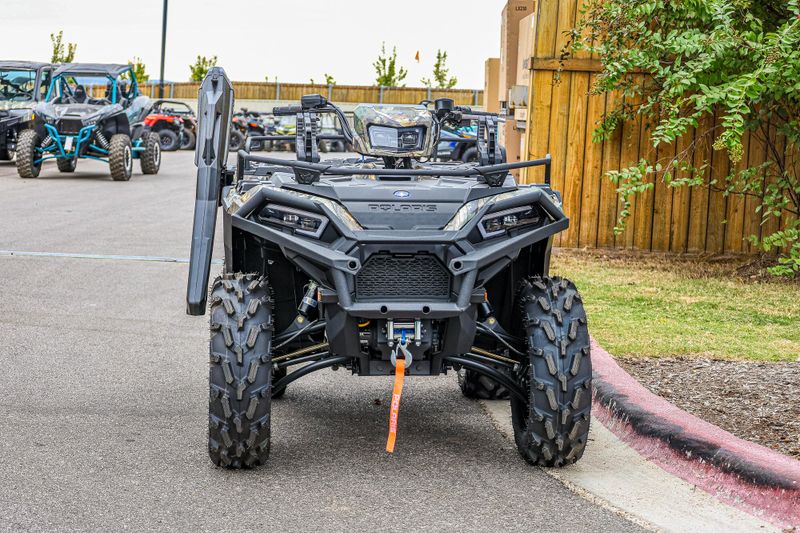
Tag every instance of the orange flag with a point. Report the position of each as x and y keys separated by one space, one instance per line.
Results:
x=417 y=56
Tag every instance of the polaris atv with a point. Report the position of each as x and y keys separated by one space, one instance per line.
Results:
x=103 y=123
x=22 y=85
x=175 y=123
x=383 y=265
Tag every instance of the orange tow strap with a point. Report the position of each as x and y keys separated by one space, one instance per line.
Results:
x=399 y=375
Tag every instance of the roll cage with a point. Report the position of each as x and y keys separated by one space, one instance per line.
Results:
x=60 y=87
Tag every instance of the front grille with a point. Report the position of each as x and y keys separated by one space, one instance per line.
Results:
x=403 y=277
x=69 y=126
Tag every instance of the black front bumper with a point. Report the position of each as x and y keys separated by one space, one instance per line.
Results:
x=337 y=265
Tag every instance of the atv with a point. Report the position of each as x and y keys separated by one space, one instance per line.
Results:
x=22 y=85
x=103 y=123
x=255 y=127
x=383 y=265
x=175 y=123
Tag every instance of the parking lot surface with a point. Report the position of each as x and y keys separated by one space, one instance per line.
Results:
x=104 y=395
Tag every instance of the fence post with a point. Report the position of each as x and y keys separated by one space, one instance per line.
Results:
x=330 y=92
x=380 y=97
x=429 y=93
x=172 y=89
x=277 y=90
x=475 y=97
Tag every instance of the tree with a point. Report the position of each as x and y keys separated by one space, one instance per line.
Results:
x=387 y=73
x=201 y=67
x=62 y=52
x=732 y=64
x=139 y=69
x=441 y=73
x=329 y=80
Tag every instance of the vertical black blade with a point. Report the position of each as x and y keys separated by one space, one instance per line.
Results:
x=214 y=108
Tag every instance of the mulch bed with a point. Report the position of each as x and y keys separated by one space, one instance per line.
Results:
x=756 y=401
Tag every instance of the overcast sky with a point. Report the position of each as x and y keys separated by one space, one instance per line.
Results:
x=293 y=40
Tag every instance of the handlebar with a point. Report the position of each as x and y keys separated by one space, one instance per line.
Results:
x=287 y=110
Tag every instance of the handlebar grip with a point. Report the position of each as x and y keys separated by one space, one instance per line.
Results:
x=289 y=110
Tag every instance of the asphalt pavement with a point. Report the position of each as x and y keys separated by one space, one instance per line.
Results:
x=104 y=396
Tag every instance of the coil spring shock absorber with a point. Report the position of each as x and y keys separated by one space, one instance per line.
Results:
x=101 y=139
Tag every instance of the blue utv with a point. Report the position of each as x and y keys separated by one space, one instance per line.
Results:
x=91 y=111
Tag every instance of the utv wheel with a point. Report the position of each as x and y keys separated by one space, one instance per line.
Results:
x=27 y=142
x=188 y=140
x=120 y=157
x=150 y=159
x=480 y=387
x=552 y=427
x=169 y=140
x=67 y=165
x=240 y=376
x=236 y=141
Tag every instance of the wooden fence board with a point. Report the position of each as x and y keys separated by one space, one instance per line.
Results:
x=681 y=198
x=643 y=227
x=592 y=173
x=717 y=203
x=607 y=208
x=576 y=139
x=662 y=201
x=734 y=231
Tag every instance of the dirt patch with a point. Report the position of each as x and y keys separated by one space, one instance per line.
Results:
x=756 y=401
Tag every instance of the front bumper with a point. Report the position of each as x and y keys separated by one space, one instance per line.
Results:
x=337 y=265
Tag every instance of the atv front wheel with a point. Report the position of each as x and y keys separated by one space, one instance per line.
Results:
x=188 y=140
x=27 y=142
x=169 y=140
x=120 y=157
x=67 y=165
x=150 y=159
x=552 y=427
x=479 y=387
x=235 y=141
x=240 y=376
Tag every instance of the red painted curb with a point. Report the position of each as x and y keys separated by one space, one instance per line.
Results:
x=743 y=474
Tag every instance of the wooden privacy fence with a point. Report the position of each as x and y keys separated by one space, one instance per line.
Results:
x=250 y=90
x=561 y=118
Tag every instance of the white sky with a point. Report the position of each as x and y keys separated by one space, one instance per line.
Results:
x=294 y=40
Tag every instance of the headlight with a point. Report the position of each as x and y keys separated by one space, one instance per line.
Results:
x=395 y=138
x=336 y=208
x=470 y=209
x=302 y=222
x=495 y=224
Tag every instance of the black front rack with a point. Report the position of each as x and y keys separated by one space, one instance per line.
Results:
x=307 y=173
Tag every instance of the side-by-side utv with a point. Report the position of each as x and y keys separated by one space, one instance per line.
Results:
x=23 y=84
x=363 y=263
x=75 y=122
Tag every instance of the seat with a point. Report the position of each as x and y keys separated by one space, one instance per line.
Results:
x=79 y=96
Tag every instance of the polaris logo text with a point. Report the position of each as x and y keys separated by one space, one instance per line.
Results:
x=404 y=208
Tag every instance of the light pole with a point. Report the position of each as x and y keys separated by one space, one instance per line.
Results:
x=163 y=47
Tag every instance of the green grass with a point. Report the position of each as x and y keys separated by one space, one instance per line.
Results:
x=655 y=306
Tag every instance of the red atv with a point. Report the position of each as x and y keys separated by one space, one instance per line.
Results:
x=175 y=123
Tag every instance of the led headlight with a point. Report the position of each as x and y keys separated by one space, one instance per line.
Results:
x=395 y=138
x=499 y=223
x=470 y=209
x=303 y=222
x=336 y=208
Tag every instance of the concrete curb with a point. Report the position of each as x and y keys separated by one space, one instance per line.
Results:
x=745 y=475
